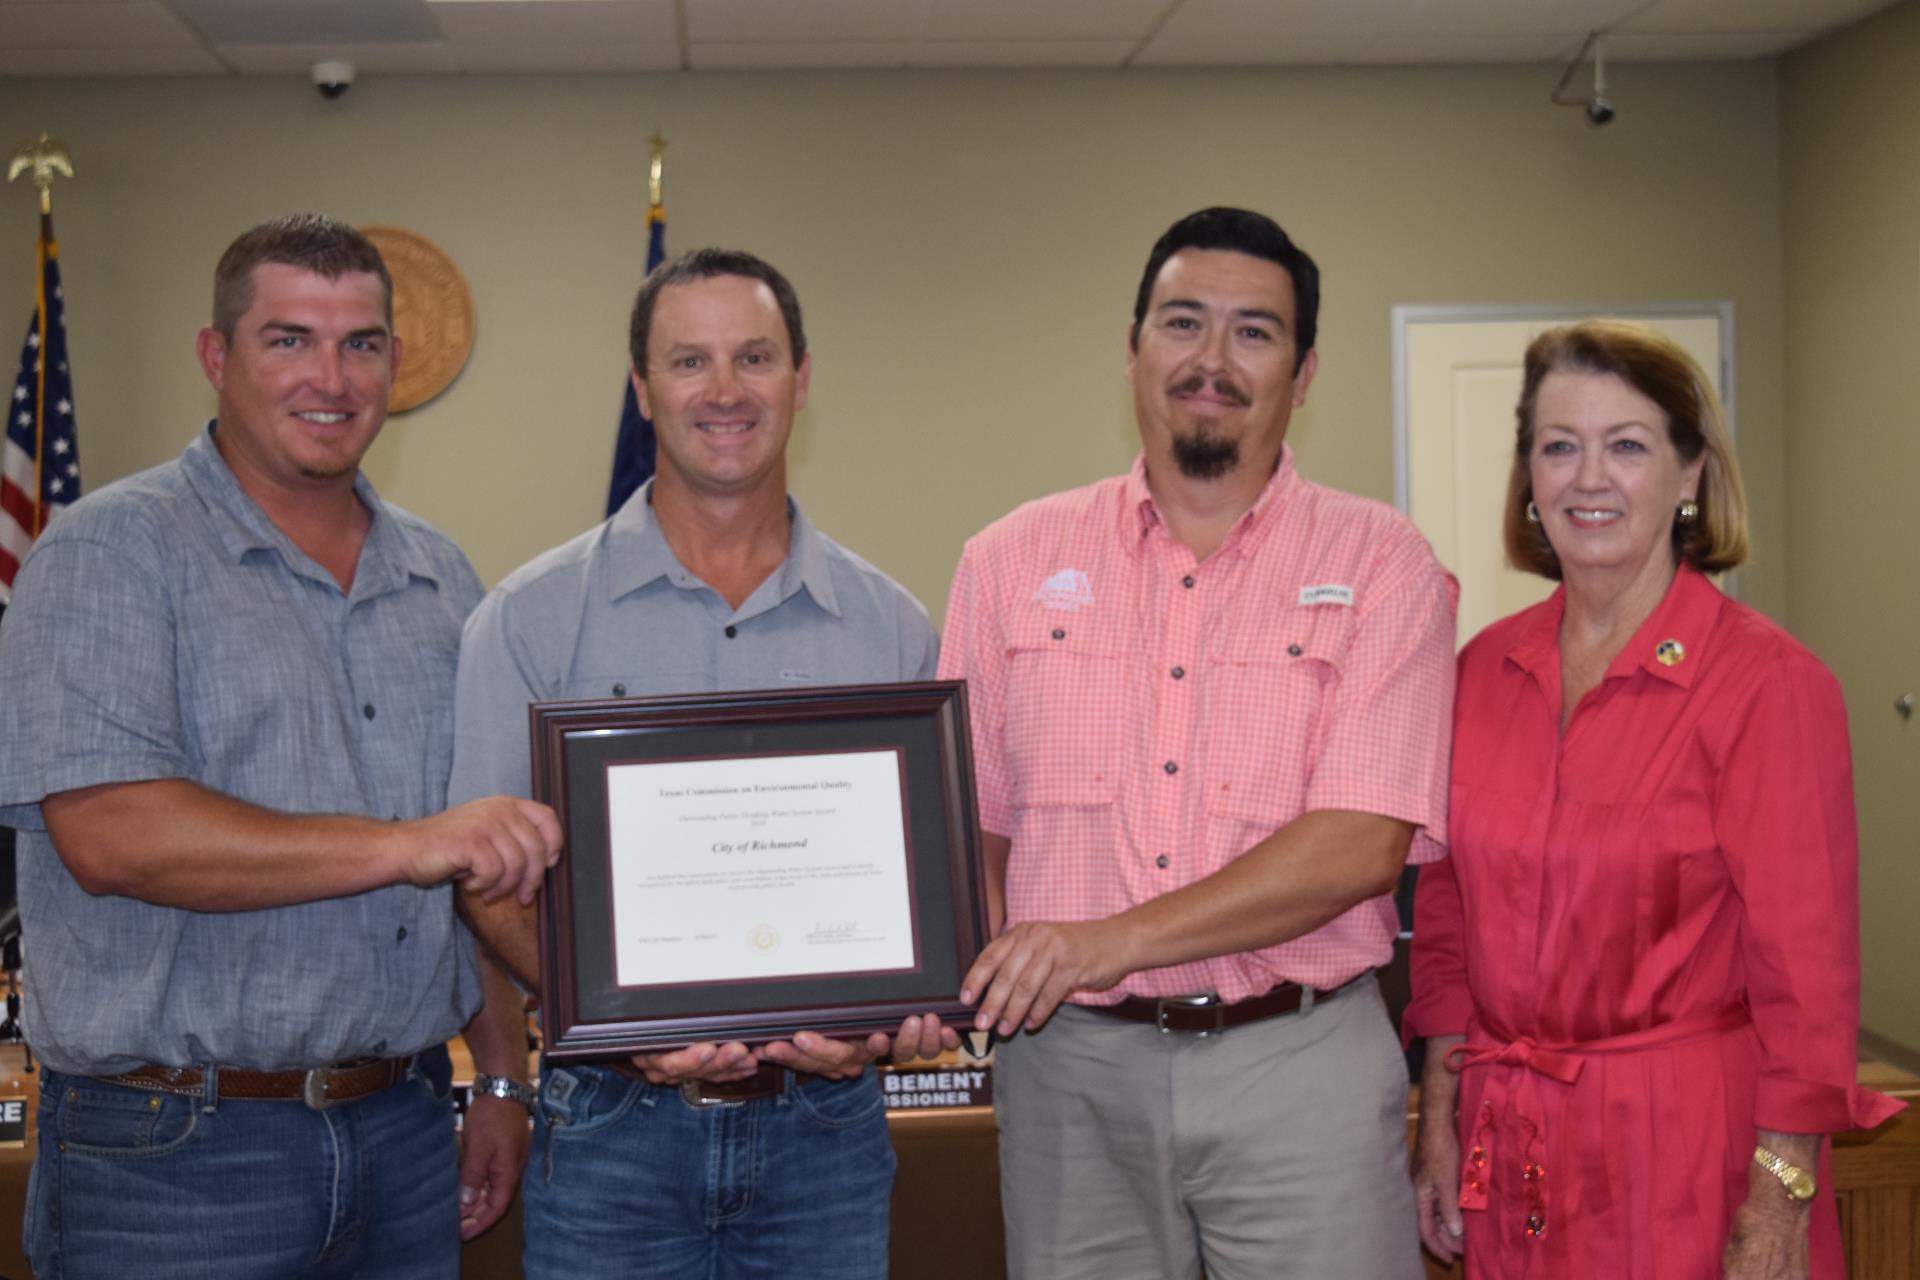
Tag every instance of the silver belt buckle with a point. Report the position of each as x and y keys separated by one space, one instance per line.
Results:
x=313 y=1090
x=1190 y=1002
x=691 y=1095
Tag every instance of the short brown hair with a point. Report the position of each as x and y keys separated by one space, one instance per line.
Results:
x=706 y=264
x=1661 y=370
x=311 y=241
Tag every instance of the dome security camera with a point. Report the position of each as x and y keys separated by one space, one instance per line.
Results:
x=1599 y=111
x=332 y=78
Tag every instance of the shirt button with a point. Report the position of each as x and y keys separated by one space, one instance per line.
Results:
x=1294 y=651
x=367 y=711
x=1171 y=767
x=401 y=936
x=381 y=1047
x=619 y=691
x=732 y=631
x=1179 y=673
x=1187 y=581
x=1162 y=862
x=1058 y=634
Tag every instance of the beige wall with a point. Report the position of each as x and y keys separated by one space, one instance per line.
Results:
x=966 y=244
x=1850 y=114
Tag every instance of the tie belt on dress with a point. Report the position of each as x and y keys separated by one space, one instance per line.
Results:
x=319 y=1088
x=1562 y=1063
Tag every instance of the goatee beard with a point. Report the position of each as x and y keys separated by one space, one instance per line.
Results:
x=1202 y=457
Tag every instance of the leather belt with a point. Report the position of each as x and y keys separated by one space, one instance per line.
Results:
x=319 y=1088
x=1209 y=1015
x=770 y=1081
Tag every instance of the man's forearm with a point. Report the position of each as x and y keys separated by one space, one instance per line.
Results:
x=510 y=931
x=1311 y=871
x=994 y=850
x=178 y=844
x=497 y=1036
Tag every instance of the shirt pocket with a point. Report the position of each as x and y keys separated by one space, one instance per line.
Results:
x=1067 y=721
x=1267 y=699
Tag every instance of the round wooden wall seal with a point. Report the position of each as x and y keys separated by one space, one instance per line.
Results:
x=432 y=314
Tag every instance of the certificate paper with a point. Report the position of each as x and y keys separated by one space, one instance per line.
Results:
x=759 y=867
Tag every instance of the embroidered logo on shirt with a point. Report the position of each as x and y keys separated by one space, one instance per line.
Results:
x=1327 y=593
x=1067 y=589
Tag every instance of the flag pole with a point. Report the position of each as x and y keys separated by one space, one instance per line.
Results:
x=42 y=158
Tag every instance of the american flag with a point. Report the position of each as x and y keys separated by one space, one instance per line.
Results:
x=633 y=448
x=40 y=476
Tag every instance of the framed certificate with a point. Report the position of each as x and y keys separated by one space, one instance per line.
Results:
x=743 y=866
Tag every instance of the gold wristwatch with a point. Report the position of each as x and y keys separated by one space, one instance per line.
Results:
x=1798 y=1182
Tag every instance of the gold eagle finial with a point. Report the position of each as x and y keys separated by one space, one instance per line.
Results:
x=43 y=157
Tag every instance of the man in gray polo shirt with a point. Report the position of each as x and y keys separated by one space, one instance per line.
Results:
x=708 y=579
x=226 y=690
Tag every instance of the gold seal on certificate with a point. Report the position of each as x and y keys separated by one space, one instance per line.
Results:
x=747 y=865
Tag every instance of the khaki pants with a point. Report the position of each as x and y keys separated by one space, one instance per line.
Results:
x=1277 y=1149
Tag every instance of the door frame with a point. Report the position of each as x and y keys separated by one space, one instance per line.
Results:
x=1405 y=314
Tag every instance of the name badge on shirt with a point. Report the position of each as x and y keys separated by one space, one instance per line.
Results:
x=1327 y=593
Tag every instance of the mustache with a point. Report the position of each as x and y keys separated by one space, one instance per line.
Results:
x=1221 y=387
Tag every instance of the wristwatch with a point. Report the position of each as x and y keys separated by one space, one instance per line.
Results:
x=514 y=1091
x=1798 y=1182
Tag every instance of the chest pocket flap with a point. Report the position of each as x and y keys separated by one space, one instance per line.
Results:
x=1070 y=717
x=1267 y=699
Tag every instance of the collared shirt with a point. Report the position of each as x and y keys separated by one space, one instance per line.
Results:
x=1142 y=718
x=614 y=614
x=164 y=628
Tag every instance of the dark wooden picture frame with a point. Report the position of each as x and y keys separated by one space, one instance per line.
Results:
x=587 y=1014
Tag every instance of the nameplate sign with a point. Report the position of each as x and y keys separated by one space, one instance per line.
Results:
x=908 y=1089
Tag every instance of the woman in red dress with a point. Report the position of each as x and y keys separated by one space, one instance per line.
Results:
x=1638 y=972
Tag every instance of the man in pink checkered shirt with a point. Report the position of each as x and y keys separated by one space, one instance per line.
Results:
x=1211 y=705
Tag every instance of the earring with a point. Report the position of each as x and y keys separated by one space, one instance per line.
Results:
x=1533 y=514
x=1689 y=512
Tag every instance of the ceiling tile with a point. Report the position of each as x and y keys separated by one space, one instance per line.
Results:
x=797 y=55
x=91 y=26
x=582 y=23
x=1751 y=15
x=309 y=21
x=604 y=55
x=1004 y=21
x=1214 y=20
x=379 y=59
x=814 y=21
x=1022 y=53
x=1441 y=50
x=1247 y=50
x=1726 y=46
x=170 y=61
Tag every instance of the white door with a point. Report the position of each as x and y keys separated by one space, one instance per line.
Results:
x=1457 y=375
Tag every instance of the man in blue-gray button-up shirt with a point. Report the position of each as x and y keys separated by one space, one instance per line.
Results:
x=711 y=1161
x=226 y=694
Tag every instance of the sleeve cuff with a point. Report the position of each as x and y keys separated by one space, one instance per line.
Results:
x=1792 y=1105
x=70 y=773
x=1435 y=1014
x=1426 y=848
x=22 y=817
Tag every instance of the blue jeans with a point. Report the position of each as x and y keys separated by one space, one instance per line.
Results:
x=136 y=1183
x=627 y=1179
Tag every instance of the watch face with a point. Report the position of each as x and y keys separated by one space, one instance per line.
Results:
x=1801 y=1186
